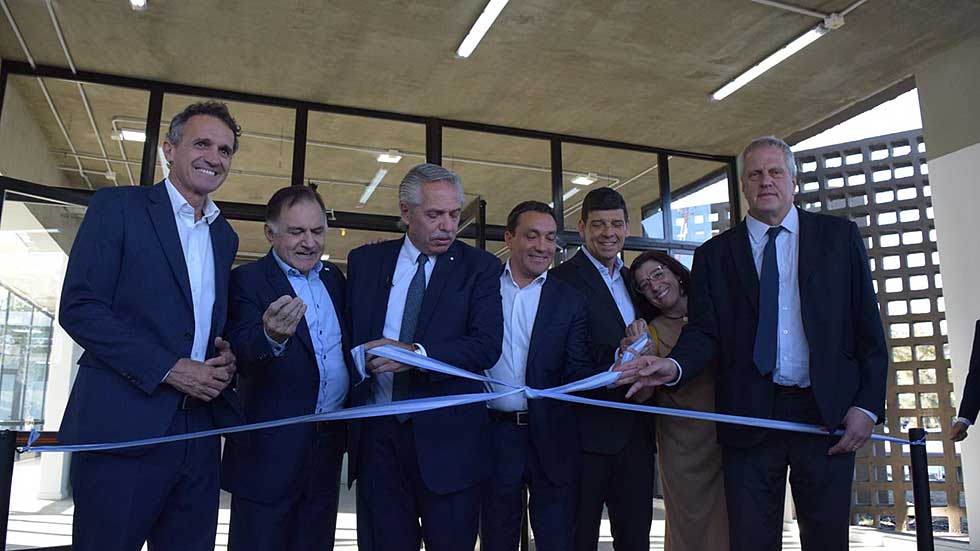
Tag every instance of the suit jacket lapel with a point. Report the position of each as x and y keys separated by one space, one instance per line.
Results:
x=280 y=285
x=809 y=248
x=549 y=302
x=386 y=275
x=741 y=251
x=597 y=283
x=162 y=216
x=445 y=266
x=223 y=250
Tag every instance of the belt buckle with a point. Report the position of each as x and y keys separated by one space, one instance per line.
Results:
x=520 y=418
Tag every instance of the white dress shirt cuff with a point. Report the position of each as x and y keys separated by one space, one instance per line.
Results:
x=874 y=418
x=277 y=349
x=963 y=420
x=419 y=349
x=680 y=373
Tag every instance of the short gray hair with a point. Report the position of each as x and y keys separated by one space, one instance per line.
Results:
x=768 y=141
x=410 y=190
x=214 y=109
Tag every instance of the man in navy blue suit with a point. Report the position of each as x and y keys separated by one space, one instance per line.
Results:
x=784 y=302
x=418 y=476
x=286 y=324
x=145 y=295
x=535 y=443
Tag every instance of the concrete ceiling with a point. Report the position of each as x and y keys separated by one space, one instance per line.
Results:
x=631 y=71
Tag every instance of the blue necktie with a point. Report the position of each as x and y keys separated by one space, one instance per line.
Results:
x=410 y=318
x=765 y=334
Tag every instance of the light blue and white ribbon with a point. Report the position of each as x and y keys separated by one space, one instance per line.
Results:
x=563 y=392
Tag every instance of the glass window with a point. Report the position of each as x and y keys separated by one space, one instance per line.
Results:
x=502 y=170
x=634 y=174
x=699 y=200
x=34 y=148
x=357 y=163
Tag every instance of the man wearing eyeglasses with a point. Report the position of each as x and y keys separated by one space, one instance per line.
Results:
x=617 y=446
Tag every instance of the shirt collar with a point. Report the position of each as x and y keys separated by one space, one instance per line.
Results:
x=599 y=266
x=510 y=276
x=180 y=204
x=411 y=251
x=293 y=272
x=758 y=229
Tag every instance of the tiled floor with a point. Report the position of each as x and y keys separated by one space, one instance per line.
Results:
x=41 y=523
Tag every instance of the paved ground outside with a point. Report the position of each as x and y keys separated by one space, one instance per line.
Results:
x=42 y=523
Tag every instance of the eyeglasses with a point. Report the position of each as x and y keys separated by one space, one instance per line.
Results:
x=657 y=275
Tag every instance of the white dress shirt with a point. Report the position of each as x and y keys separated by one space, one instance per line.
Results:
x=405 y=268
x=792 y=349
x=616 y=285
x=520 y=307
x=321 y=319
x=195 y=242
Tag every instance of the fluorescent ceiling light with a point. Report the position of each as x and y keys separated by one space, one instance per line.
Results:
x=480 y=28
x=391 y=156
x=373 y=185
x=585 y=179
x=325 y=257
x=570 y=192
x=129 y=136
x=774 y=59
x=138 y=5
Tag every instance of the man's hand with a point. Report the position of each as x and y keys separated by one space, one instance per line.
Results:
x=198 y=379
x=282 y=316
x=225 y=358
x=377 y=364
x=646 y=372
x=958 y=432
x=857 y=431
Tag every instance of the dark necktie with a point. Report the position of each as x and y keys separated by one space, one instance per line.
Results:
x=765 y=334
x=410 y=318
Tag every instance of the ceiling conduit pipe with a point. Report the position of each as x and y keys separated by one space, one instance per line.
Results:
x=44 y=90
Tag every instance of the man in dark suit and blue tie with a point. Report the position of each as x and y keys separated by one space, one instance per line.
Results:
x=146 y=296
x=418 y=476
x=286 y=324
x=784 y=302
x=535 y=443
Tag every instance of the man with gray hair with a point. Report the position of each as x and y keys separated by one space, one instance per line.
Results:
x=784 y=303
x=418 y=476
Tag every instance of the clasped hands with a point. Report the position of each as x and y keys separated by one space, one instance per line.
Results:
x=204 y=380
x=644 y=372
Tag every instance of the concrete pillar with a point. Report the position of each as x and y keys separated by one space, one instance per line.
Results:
x=949 y=91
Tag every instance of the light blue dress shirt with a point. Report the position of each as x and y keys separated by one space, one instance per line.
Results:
x=792 y=349
x=616 y=285
x=321 y=318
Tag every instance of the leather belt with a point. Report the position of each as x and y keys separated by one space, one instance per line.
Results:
x=519 y=418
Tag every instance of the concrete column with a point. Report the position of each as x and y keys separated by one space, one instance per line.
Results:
x=949 y=91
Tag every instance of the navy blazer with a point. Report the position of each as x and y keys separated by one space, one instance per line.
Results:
x=460 y=323
x=127 y=301
x=272 y=463
x=848 y=355
x=603 y=430
x=970 y=403
x=558 y=353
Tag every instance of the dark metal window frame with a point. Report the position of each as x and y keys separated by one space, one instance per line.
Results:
x=433 y=140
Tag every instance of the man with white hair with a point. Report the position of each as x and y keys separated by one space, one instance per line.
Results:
x=418 y=476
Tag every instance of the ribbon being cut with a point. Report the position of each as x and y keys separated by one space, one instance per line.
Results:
x=564 y=392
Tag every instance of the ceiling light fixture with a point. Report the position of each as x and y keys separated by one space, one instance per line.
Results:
x=129 y=136
x=831 y=22
x=392 y=156
x=138 y=5
x=585 y=179
x=480 y=28
x=325 y=257
x=372 y=186
x=567 y=194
